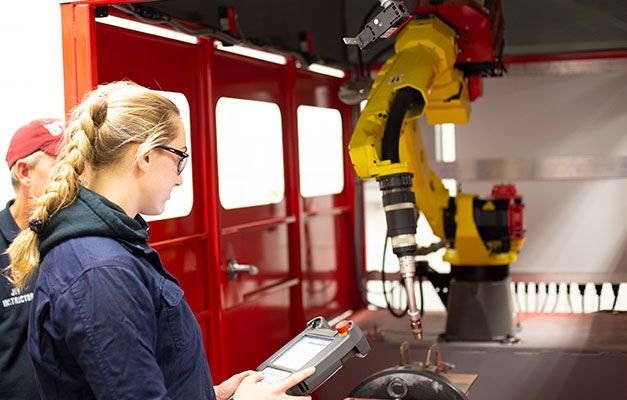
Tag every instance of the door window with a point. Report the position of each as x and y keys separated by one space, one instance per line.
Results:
x=320 y=151
x=182 y=197
x=250 y=153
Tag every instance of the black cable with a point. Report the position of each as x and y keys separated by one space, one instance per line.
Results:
x=597 y=289
x=557 y=296
x=615 y=287
x=582 y=291
x=150 y=15
x=422 y=298
x=570 y=305
x=546 y=297
x=360 y=64
x=385 y=295
x=527 y=297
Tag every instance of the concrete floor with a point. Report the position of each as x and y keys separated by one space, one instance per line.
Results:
x=559 y=356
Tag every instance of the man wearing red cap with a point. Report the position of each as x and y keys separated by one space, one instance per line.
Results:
x=31 y=156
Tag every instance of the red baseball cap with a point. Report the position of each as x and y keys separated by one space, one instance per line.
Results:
x=40 y=134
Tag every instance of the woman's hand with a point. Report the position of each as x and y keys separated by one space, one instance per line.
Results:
x=249 y=390
x=229 y=386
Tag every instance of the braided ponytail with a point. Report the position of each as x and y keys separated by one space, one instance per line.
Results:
x=108 y=119
x=61 y=191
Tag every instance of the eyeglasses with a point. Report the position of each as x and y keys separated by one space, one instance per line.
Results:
x=180 y=166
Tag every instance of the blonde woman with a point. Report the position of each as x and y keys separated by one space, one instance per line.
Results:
x=107 y=320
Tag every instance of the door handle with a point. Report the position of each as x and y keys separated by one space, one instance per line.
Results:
x=233 y=268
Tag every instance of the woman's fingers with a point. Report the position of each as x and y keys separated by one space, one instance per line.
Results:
x=295 y=378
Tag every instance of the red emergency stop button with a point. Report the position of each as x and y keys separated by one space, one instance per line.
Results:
x=342 y=327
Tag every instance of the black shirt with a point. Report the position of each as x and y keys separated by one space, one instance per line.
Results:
x=17 y=379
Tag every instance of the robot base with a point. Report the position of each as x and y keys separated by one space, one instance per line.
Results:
x=480 y=305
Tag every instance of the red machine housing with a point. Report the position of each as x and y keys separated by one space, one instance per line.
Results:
x=480 y=28
x=480 y=35
x=514 y=209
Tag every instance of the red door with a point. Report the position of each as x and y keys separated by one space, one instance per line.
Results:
x=260 y=306
x=329 y=284
x=302 y=247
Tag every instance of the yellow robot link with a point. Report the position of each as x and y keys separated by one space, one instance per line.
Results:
x=424 y=61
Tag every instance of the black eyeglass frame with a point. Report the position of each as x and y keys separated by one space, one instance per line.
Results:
x=180 y=166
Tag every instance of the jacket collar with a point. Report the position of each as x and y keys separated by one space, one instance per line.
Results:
x=8 y=226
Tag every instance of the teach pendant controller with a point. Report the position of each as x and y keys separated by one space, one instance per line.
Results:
x=318 y=346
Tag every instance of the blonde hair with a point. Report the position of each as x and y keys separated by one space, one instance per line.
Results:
x=105 y=122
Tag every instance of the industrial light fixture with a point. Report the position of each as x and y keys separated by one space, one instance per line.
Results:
x=324 y=70
x=147 y=28
x=252 y=53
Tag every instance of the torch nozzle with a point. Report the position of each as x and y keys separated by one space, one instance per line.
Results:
x=416 y=328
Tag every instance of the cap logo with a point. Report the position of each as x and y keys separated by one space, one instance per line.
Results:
x=55 y=128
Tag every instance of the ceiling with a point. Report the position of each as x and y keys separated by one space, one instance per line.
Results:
x=532 y=27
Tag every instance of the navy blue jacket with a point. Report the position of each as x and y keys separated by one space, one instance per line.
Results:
x=17 y=380
x=107 y=320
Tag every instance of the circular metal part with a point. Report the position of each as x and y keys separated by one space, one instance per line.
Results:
x=397 y=388
x=403 y=241
x=355 y=91
x=420 y=384
x=399 y=206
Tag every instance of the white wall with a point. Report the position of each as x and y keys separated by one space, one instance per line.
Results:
x=572 y=226
x=575 y=226
x=31 y=71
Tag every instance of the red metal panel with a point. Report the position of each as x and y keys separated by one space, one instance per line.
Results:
x=265 y=248
x=218 y=328
x=324 y=286
x=329 y=284
x=257 y=330
x=258 y=235
x=150 y=61
x=245 y=78
x=295 y=201
x=318 y=90
x=79 y=55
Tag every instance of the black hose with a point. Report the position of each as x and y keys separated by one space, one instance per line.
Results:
x=405 y=98
x=385 y=293
x=422 y=297
x=557 y=296
x=615 y=288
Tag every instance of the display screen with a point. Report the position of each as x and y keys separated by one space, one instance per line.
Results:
x=301 y=352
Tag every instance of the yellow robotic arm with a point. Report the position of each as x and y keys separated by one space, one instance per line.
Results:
x=423 y=64
x=422 y=78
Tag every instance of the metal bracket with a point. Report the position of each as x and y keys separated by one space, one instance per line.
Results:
x=439 y=367
x=384 y=25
